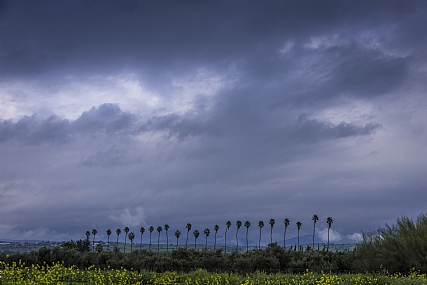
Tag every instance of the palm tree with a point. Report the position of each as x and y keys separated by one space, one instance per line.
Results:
x=228 y=224
x=94 y=232
x=216 y=228
x=315 y=218
x=238 y=224
x=177 y=234
x=206 y=232
x=126 y=230
x=131 y=238
x=142 y=231
x=196 y=234
x=329 y=221
x=299 y=227
x=260 y=225
x=118 y=232
x=188 y=226
x=159 y=229
x=151 y=229
x=88 y=235
x=167 y=237
x=272 y=222
x=108 y=236
x=286 y=222
x=247 y=225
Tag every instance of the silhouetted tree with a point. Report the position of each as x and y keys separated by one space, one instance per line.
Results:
x=188 y=227
x=108 y=237
x=299 y=227
x=329 y=221
x=142 y=231
x=167 y=237
x=216 y=228
x=196 y=234
x=238 y=224
x=247 y=225
x=94 y=232
x=159 y=229
x=272 y=222
x=260 y=225
x=151 y=230
x=131 y=238
x=315 y=218
x=118 y=232
x=126 y=230
x=286 y=222
x=206 y=232
x=228 y=224
x=177 y=234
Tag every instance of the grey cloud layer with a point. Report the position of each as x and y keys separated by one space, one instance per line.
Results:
x=319 y=108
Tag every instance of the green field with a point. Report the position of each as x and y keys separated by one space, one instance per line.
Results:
x=58 y=274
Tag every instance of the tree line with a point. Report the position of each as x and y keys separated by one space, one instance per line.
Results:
x=196 y=233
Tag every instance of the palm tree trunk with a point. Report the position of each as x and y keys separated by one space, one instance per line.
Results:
x=108 y=246
x=328 y=239
x=237 y=240
x=298 y=240
x=247 y=244
x=314 y=230
x=186 y=241
x=149 y=246
x=225 y=242
x=176 y=243
x=140 y=245
x=206 y=244
x=284 y=239
x=259 y=242
x=215 y=242
x=167 y=241
x=158 y=243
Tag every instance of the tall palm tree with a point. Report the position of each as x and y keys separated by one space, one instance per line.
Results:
x=126 y=230
x=151 y=229
x=159 y=229
x=94 y=232
x=188 y=227
x=196 y=234
x=216 y=228
x=238 y=224
x=131 y=238
x=286 y=222
x=206 y=232
x=88 y=235
x=272 y=222
x=142 y=231
x=167 y=237
x=260 y=225
x=118 y=232
x=299 y=227
x=228 y=224
x=108 y=236
x=315 y=218
x=177 y=234
x=329 y=221
x=247 y=225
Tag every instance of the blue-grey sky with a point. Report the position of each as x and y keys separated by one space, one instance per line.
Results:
x=139 y=113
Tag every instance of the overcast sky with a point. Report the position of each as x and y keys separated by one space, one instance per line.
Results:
x=139 y=113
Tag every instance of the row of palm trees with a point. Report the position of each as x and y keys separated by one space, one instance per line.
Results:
x=206 y=232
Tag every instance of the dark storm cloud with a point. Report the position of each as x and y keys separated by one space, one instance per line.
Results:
x=209 y=111
x=107 y=119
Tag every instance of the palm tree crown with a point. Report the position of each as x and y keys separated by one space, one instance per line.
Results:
x=299 y=227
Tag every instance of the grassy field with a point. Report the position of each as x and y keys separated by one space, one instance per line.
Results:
x=60 y=275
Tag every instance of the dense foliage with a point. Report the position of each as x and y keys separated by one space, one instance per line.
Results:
x=273 y=259
x=398 y=247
